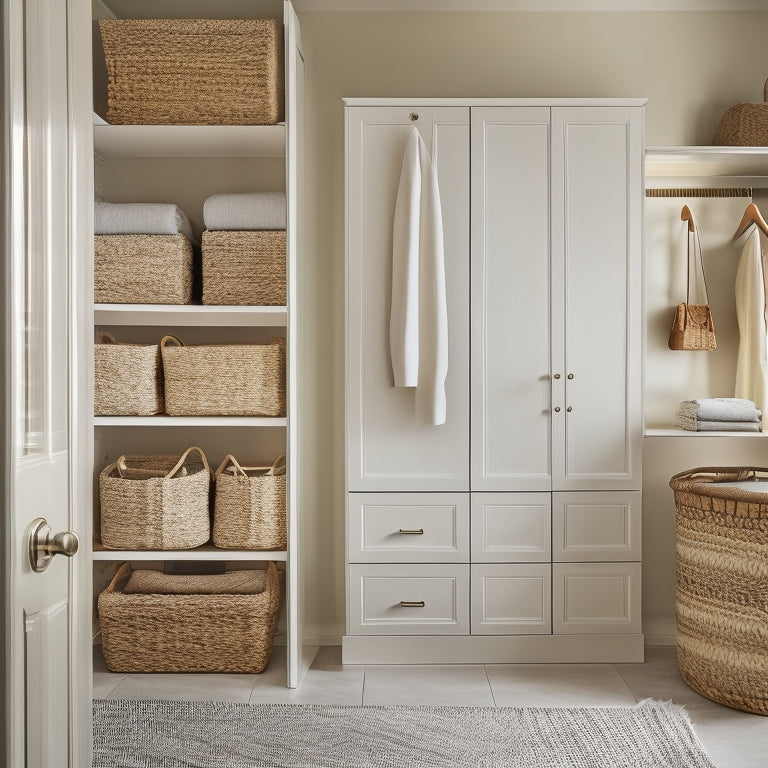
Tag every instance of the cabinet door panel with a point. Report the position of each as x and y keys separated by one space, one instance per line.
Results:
x=597 y=269
x=511 y=599
x=510 y=299
x=511 y=527
x=389 y=447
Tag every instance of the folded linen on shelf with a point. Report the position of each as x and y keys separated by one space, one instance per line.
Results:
x=247 y=211
x=148 y=582
x=141 y=219
x=720 y=426
x=721 y=409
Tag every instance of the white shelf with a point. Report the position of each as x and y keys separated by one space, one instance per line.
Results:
x=189 y=140
x=189 y=421
x=715 y=165
x=678 y=432
x=188 y=315
x=206 y=552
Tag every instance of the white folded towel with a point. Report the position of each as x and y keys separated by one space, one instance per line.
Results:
x=419 y=313
x=140 y=219
x=696 y=425
x=721 y=409
x=248 y=211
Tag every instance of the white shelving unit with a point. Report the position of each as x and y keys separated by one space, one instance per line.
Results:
x=183 y=148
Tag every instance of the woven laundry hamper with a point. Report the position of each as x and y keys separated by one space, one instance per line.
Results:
x=249 y=506
x=142 y=269
x=167 y=631
x=127 y=379
x=722 y=584
x=224 y=379
x=193 y=71
x=156 y=502
x=744 y=125
x=244 y=268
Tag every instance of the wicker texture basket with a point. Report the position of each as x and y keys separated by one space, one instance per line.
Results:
x=142 y=269
x=244 y=267
x=224 y=379
x=192 y=71
x=249 y=506
x=128 y=379
x=156 y=502
x=188 y=632
x=722 y=586
x=744 y=125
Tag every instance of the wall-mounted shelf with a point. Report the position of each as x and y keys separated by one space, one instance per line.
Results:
x=710 y=166
x=189 y=421
x=678 y=432
x=206 y=552
x=188 y=315
x=189 y=140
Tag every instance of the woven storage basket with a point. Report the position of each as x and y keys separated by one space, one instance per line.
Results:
x=188 y=632
x=249 y=506
x=224 y=379
x=744 y=125
x=722 y=586
x=142 y=269
x=156 y=502
x=127 y=380
x=244 y=267
x=193 y=71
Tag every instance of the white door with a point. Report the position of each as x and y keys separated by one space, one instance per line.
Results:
x=510 y=299
x=40 y=233
x=597 y=203
x=389 y=448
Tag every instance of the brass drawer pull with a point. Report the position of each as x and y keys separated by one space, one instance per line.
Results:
x=416 y=531
x=412 y=603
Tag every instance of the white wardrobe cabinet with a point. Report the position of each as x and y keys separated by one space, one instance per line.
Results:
x=512 y=532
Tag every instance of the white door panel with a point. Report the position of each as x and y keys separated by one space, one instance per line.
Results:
x=389 y=448
x=510 y=299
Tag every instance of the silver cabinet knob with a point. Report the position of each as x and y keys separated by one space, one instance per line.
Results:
x=44 y=544
x=557 y=409
x=556 y=376
x=570 y=375
x=569 y=408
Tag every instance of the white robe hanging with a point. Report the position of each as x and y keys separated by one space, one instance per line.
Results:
x=752 y=361
x=418 y=329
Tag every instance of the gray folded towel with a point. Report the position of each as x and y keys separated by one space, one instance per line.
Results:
x=252 y=210
x=140 y=219
x=719 y=426
x=720 y=409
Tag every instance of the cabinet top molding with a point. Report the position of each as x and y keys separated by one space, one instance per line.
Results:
x=357 y=101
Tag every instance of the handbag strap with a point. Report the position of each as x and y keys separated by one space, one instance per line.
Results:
x=696 y=241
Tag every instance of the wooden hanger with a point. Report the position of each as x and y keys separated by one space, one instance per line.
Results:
x=751 y=215
x=686 y=215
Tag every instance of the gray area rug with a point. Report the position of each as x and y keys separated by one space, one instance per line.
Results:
x=186 y=734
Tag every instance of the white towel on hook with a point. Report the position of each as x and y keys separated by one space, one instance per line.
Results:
x=752 y=360
x=418 y=327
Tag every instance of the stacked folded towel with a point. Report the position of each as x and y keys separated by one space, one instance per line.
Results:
x=141 y=219
x=245 y=212
x=719 y=414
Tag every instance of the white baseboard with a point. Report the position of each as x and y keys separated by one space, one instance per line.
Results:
x=660 y=630
x=322 y=632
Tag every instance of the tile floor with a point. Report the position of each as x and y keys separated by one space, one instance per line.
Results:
x=733 y=739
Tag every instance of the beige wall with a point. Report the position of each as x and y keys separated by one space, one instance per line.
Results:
x=691 y=66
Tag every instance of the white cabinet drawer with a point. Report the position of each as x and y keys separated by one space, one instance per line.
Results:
x=408 y=527
x=408 y=599
x=589 y=598
x=511 y=599
x=511 y=527
x=594 y=526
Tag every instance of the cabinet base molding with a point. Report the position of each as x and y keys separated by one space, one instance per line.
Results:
x=510 y=649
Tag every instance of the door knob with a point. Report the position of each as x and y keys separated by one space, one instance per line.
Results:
x=44 y=544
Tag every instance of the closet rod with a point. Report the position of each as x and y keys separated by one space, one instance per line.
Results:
x=700 y=192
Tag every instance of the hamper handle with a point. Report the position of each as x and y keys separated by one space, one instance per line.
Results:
x=765 y=91
x=123 y=570
x=230 y=459
x=279 y=464
x=105 y=337
x=239 y=469
x=176 y=342
x=183 y=458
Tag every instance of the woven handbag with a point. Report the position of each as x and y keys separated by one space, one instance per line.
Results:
x=692 y=326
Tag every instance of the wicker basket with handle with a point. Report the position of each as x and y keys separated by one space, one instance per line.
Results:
x=744 y=125
x=224 y=379
x=156 y=502
x=249 y=505
x=166 y=632
x=128 y=378
x=722 y=584
x=193 y=71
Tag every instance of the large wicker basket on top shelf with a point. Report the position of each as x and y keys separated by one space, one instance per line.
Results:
x=744 y=125
x=193 y=71
x=166 y=632
x=722 y=584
